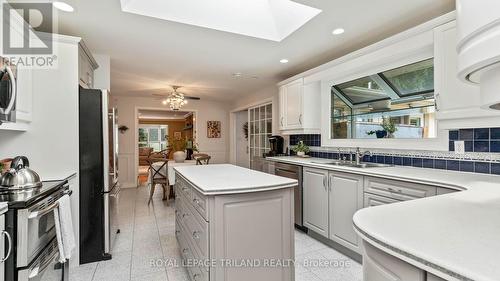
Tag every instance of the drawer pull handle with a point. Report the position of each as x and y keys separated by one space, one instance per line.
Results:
x=196 y=235
x=184 y=188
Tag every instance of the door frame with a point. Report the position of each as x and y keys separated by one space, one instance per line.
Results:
x=233 y=130
x=136 y=131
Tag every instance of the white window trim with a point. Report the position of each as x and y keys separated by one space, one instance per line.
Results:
x=410 y=50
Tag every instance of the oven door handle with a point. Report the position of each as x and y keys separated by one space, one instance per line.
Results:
x=12 y=101
x=9 y=240
x=40 y=213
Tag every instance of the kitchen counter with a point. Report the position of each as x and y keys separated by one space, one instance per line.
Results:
x=454 y=236
x=228 y=179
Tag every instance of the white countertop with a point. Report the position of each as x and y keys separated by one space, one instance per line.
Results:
x=455 y=236
x=228 y=179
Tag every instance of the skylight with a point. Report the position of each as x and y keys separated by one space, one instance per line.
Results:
x=266 y=19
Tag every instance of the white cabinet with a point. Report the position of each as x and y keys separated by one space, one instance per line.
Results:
x=379 y=266
x=315 y=185
x=299 y=106
x=86 y=66
x=346 y=197
x=24 y=81
x=455 y=99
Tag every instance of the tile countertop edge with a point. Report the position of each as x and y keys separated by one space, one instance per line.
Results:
x=485 y=186
x=290 y=183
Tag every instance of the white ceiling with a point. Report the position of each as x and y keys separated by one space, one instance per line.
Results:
x=148 y=54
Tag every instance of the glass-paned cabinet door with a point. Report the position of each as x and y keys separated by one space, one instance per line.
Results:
x=260 y=129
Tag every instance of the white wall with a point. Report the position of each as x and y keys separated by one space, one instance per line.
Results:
x=51 y=142
x=205 y=111
x=102 y=75
x=242 y=156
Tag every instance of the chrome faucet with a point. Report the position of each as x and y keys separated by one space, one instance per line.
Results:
x=360 y=155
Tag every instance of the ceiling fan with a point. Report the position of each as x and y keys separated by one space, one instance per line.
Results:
x=175 y=99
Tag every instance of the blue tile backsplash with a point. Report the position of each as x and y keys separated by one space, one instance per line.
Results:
x=476 y=140
x=309 y=140
x=483 y=140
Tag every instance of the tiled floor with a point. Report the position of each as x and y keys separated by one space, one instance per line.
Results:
x=147 y=234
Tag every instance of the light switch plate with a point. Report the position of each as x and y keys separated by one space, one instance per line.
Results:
x=459 y=147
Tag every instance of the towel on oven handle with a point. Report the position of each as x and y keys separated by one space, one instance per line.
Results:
x=64 y=229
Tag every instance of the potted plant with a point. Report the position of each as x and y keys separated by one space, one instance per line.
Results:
x=301 y=149
x=389 y=126
x=379 y=133
x=180 y=146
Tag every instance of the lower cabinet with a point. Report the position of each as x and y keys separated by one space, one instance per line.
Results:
x=379 y=266
x=346 y=197
x=315 y=185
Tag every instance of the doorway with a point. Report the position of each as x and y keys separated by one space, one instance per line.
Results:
x=158 y=131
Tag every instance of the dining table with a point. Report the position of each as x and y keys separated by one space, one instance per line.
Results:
x=167 y=168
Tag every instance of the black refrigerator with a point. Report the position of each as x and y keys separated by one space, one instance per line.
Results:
x=98 y=195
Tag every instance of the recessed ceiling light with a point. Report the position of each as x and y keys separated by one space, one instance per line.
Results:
x=237 y=74
x=338 y=31
x=284 y=61
x=63 y=6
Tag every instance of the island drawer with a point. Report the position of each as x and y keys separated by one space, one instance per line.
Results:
x=198 y=233
x=195 y=273
x=398 y=190
x=199 y=202
x=182 y=188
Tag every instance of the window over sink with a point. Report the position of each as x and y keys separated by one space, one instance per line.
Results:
x=397 y=103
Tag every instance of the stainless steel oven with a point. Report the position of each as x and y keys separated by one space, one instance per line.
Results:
x=45 y=267
x=8 y=92
x=36 y=228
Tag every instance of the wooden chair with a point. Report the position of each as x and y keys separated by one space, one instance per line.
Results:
x=158 y=174
x=201 y=158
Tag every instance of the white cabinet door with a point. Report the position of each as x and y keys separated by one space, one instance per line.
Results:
x=346 y=197
x=379 y=266
x=293 y=109
x=454 y=98
x=282 y=107
x=315 y=185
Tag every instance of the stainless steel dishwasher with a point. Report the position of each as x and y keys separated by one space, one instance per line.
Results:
x=293 y=172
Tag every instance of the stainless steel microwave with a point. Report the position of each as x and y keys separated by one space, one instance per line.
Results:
x=8 y=92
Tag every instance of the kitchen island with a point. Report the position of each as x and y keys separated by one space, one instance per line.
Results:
x=233 y=223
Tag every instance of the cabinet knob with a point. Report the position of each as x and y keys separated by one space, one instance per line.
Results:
x=196 y=201
x=196 y=235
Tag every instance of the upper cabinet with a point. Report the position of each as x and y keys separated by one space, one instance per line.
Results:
x=86 y=66
x=299 y=104
x=455 y=99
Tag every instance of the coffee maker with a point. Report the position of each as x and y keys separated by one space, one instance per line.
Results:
x=276 y=146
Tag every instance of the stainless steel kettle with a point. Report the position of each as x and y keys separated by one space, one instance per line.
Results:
x=20 y=176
